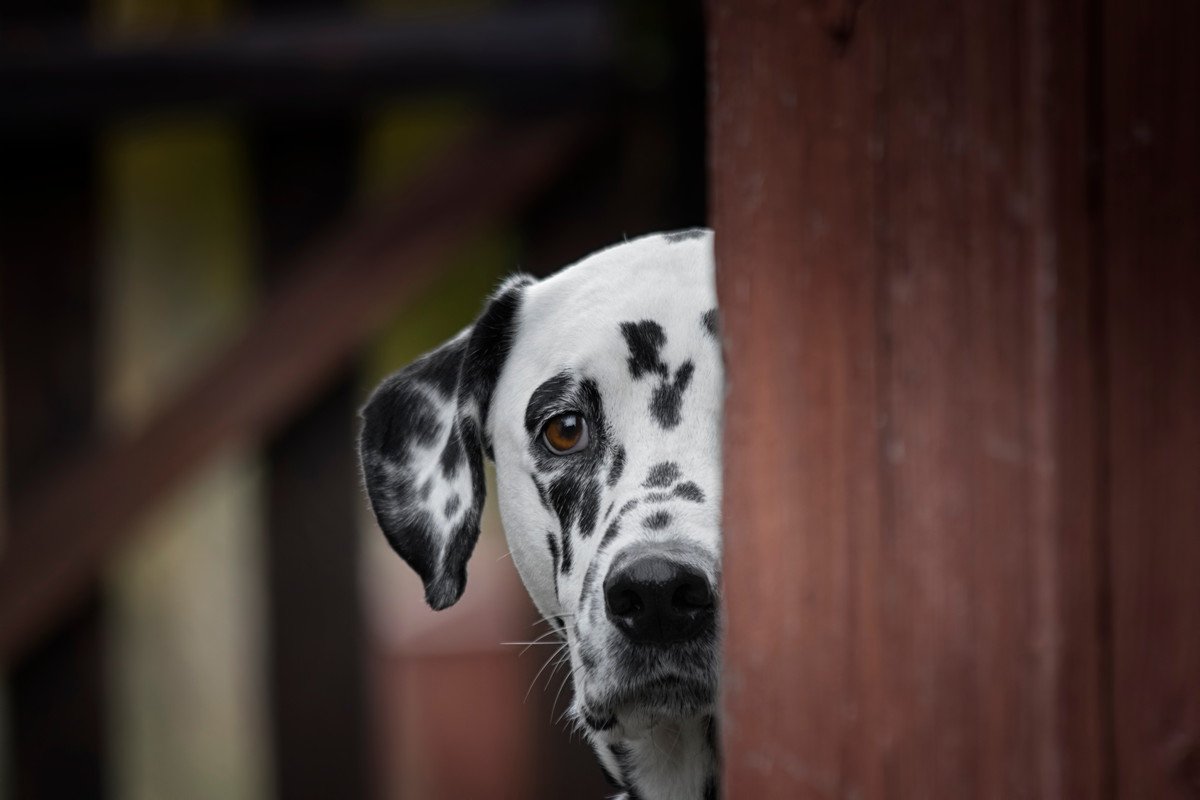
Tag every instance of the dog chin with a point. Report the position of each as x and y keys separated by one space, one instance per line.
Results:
x=644 y=700
x=670 y=697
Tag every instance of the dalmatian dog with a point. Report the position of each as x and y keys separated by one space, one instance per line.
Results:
x=598 y=394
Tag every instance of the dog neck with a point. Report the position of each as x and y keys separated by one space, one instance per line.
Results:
x=666 y=761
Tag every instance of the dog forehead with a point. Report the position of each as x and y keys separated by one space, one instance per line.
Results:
x=581 y=308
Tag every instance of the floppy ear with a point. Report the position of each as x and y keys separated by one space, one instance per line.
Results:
x=422 y=444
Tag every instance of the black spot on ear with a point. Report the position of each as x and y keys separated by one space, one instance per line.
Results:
x=711 y=321
x=674 y=237
x=657 y=521
x=689 y=491
x=618 y=466
x=452 y=454
x=645 y=340
x=662 y=474
x=668 y=397
x=452 y=505
x=440 y=369
x=487 y=351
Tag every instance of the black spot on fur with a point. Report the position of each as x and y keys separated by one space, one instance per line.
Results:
x=657 y=521
x=541 y=492
x=618 y=466
x=662 y=474
x=610 y=778
x=710 y=737
x=645 y=340
x=624 y=758
x=598 y=723
x=589 y=507
x=452 y=505
x=674 y=237
x=668 y=397
x=426 y=489
x=689 y=491
x=564 y=493
x=566 y=553
x=614 y=529
x=711 y=321
x=608 y=511
x=588 y=654
x=553 y=545
x=546 y=399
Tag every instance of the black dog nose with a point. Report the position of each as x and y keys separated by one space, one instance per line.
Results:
x=654 y=600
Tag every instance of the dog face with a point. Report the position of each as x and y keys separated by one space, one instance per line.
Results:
x=598 y=394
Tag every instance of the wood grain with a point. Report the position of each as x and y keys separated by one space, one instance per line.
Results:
x=916 y=572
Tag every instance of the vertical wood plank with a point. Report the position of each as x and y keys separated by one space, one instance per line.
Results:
x=904 y=270
x=47 y=322
x=1149 y=210
x=305 y=174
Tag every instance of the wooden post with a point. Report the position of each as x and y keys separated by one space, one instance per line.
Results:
x=47 y=325
x=305 y=173
x=956 y=262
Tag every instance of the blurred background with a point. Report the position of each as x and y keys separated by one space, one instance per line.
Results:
x=221 y=223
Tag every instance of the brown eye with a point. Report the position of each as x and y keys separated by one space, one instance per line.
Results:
x=565 y=433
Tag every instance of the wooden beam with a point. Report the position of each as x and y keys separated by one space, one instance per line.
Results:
x=48 y=314
x=305 y=172
x=557 y=53
x=914 y=593
x=1148 y=201
x=62 y=532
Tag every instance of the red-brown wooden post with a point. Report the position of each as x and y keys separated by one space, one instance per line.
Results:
x=957 y=252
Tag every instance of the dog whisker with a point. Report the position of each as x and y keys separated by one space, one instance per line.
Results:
x=538 y=640
x=543 y=669
x=561 y=686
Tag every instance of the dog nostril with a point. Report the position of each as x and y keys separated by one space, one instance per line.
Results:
x=624 y=603
x=692 y=596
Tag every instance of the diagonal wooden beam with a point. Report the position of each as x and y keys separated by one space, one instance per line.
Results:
x=62 y=532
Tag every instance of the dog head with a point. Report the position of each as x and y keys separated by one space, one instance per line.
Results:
x=598 y=394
